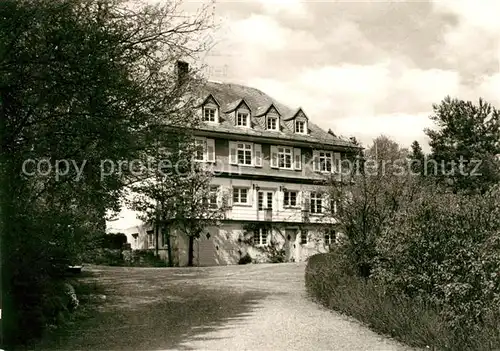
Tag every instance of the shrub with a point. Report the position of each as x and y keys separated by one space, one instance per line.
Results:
x=104 y=256
x=331 y=281
x=245 y=259
x=435 y=279
x=146 y=258
x=276 y=255
x=446 y=251
x=114 y=241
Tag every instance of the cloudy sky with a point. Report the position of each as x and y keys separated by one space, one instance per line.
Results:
x=360 y=68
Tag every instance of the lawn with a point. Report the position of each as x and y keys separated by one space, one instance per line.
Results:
x=146 y=308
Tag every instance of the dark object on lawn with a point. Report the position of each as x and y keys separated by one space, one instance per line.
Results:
x=74 y=269
x=245 y=259
x=63 y=266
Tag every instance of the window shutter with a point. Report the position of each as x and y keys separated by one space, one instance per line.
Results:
x=250 y=195
x=332 y=163
x=279 y=200
x=298 y=159
x=257 y=155
x=315 y=161
x=325 y=203
x=274 y=156
x=210 y=150
x=230 y=196
x=233 y=159
x=306 y=202
x=337 y=163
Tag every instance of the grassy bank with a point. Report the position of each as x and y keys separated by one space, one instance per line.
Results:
x=330 y=282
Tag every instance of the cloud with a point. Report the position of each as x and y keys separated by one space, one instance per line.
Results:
x=367 y=100
x=292 y=8
x=402 y=128
x=346 y=89
x=365 y=69
x=483 y=14
x=472 y=45
x=261 y=31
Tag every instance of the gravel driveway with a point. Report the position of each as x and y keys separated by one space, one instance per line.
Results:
x=252 y=307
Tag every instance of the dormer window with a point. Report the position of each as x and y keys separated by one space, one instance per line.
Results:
x=300 y=127
x=242 y=119
x=272 y=123
x=210 y=109
x=209 y=114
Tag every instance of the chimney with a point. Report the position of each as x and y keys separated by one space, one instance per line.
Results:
x=182 y=71
x=331 y=133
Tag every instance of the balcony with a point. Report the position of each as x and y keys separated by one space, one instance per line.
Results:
x=247 y=213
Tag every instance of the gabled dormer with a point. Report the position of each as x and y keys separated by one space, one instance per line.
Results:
x=241 y=113
x=300 y=120
x=210 y=110
x=271 y=117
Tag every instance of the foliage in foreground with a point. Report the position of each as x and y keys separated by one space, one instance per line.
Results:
x=80 y=82
x=420 y=257
x=445 y=250
x=331 y=281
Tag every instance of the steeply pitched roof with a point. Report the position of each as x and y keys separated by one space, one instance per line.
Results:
x=299 y=110
x=232 y=95
x=261 y=111
x=202 y=102
x=230 y=107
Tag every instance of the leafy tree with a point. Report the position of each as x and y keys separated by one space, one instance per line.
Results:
x=444 y=250
x=416 y=158
x=176 y=195
x=466 y=143
x=368 y=200
x=81 y=81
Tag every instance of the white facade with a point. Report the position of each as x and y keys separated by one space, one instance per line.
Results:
x=270 y=162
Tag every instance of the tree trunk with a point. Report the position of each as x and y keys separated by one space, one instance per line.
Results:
x=169 y=246
x=191 y=251
x=157 y=229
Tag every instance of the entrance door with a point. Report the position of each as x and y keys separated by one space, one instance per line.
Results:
x=265 y=204
x=291 y=236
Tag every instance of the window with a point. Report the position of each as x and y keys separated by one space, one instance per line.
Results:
x=316 y=203
x=303 y=236
x=272 y=123
x=240 y=196
x=300 y=127
x=330 y=238
x=268 y=203
x=260 y=237
x=212 y=196
x=205 y=150
x=285 y=157
x=244 y=152
x=209 y=114
x=200 y=150
x=242 y=119
x=136 y=239
x=333 y=206
x=325 y=161
x=290 y=198
x=151 y=242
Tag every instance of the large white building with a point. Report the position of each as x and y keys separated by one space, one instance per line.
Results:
x=273 y=161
